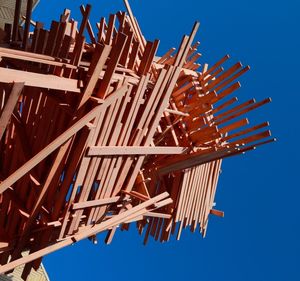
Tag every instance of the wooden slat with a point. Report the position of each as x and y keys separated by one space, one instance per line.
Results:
x=16 y=20
x=94 y=203
x=97 y=64
x=114 y=59
x=9 y=106
x=27 y=23
x=88 y=24
x=133 y=150
x=38 y=80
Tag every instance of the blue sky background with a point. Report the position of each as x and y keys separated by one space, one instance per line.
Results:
x=259 y=237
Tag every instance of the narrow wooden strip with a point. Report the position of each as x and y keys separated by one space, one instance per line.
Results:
x=85 y=17
x=59 y=38
x=133 y=55
x=226 y=92
x=234 y=126
x=146 y=54
x=215 y=66
x=33 y=59
x=224 y=75
x=41 y=44
x=127 y=48
x=176 y=112
x=166 y=55
x=95 y=203
x=232 y=78
x=24 y=54
x=194 y=159
x=219 y=117
x=52 y=38
x=8 y=109
x=27 y=23
x=38 y=80
x=110 y=29
x=158 y=215
x=133 y=150
x=243 y=111
x=246 y=131
x=151 y=56
x=114 y=59
x=88 y=25
x=98 y=61
x=18 y=4
x=134 y=26
x=217 y=213
x=36 y=35
x=252 y=138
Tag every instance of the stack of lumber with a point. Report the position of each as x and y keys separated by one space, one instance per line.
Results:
x=98 y=132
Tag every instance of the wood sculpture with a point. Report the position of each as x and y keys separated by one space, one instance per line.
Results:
x=99 y=132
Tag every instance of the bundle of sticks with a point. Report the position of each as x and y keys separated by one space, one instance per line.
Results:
x=98 y=132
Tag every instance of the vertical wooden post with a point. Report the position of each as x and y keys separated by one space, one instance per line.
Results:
x=16 y=20
x=27 y=24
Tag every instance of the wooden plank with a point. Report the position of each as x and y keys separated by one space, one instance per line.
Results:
x=215 y=66
x=36 y=37
x=59 y=39
x=110 y=29
x=20 y=56
x=100 y=56
x=217 y=213
x=252 y=138
x=38 y=80
x=95 y=203
x=8 y=109
x=232 y=78
x=85 y=17
x=243 y=111
x=224 y=75
x=43 y=39
x=234 y=126
x=192 y=160
x=133 y=150
x=246 y=131
x=166 y=56
x=88 y=24
x=26 y=55
x=141 y=41
x=233 y=110
x=16 y=20
x=52 y=38
x=114 y=59
x=133 y=55
x=27 y=23
x=224 y=105
x=78 y=50
x=101 y=28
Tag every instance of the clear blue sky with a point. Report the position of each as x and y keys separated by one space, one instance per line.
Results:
x=259 y=237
